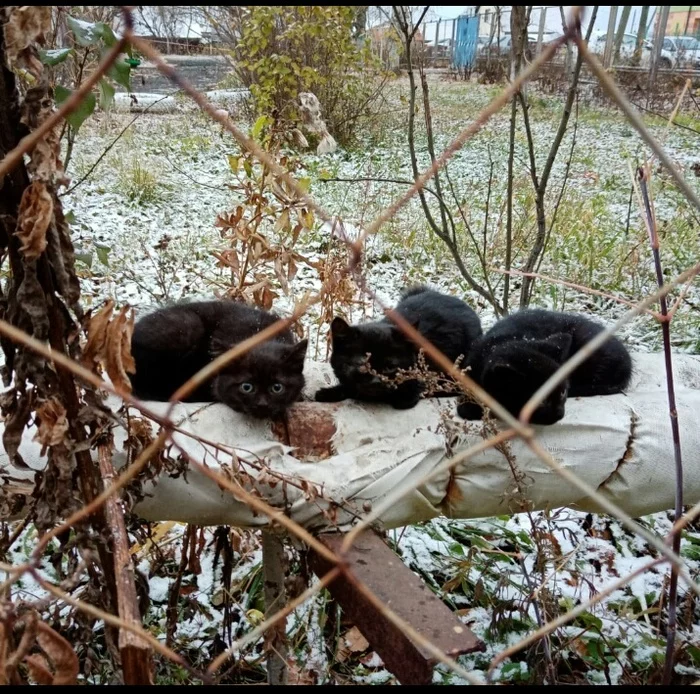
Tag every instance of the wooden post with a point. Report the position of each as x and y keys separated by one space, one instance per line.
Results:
x=135 y=652
x=274 y=571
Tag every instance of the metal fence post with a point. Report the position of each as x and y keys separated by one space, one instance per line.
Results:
x=610 y=38
x=659 y=36
x=540 y=29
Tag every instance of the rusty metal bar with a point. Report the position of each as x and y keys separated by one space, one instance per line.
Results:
x=374 y=564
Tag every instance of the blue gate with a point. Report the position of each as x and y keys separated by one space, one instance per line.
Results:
x=466 y=41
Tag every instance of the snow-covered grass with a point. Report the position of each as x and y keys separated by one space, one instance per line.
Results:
x=144 y=227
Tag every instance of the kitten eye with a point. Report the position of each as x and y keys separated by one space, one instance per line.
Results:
x=276 y=388
x=246 y=387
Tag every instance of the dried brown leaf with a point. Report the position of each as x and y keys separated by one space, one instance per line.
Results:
x=298 y=675
x=109 y=344
x=53 y=424
x=118 y=359
x=26 y=25
x=279 y=271
x=352 y=642
x=61 y=653
x=17 y=413
x=45 y=158
x=282 y=222
x=35 y=213
x=97 y=335
x=38 y=668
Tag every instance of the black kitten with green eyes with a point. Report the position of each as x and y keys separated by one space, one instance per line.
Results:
x=173 y=343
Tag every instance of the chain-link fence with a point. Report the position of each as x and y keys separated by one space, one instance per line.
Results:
x=71 y=385
x=665 y=41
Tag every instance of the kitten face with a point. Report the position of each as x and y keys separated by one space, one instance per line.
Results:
x=388 y=349
x=264 y=382
x=517 y=369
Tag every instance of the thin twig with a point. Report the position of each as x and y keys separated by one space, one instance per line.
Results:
x=650 y=218
x=468 y=132
x=111 y=144
x=256 y=633
x=573 y=285
x=635 y=119
x=120 y=624
x=27 y=143
x=570 y=615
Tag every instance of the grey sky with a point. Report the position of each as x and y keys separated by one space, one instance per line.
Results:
x=553 y=16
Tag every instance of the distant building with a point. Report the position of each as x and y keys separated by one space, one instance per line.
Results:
x=683 y=21
x=488 y=20
x=172 y=29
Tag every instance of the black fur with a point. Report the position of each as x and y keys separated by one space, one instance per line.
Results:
x=444 y=320
x=173 y=343
x=520 y=352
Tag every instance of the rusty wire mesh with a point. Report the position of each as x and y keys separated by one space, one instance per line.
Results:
x=515 y=428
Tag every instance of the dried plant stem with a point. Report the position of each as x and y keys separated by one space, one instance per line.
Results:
x=135 y=653
x=256 y=633
x=573 y=285
x=577 y=359
x=120 y=624
x=635 y=119
x=650 y=218
x=468 y=132
x=527 y=433
x=27 y=143
x=571 y=614
x=402 y=490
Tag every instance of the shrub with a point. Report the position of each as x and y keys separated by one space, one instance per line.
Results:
x=284 y=50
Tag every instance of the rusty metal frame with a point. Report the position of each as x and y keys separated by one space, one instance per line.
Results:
x=374 y=564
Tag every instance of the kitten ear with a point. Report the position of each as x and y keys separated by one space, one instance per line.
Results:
x=340 y=328
x=557 y=346
x=218 y=346
x=296 y=355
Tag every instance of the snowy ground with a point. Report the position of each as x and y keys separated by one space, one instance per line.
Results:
x=166 y=179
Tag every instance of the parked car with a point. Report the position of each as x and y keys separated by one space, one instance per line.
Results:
x=483 y=43
x=681 y=51
x=627 y=48
x=667 y=59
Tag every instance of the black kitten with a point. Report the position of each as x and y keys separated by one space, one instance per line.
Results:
x=173 y=343
x=444 y=320
x=513 y=359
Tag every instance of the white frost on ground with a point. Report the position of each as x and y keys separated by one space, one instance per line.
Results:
x=183 y=162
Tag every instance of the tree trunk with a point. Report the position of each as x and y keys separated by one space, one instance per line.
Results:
x=518 y=32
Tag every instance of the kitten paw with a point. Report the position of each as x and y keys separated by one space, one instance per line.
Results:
x=470 y=411
x=333 y=394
